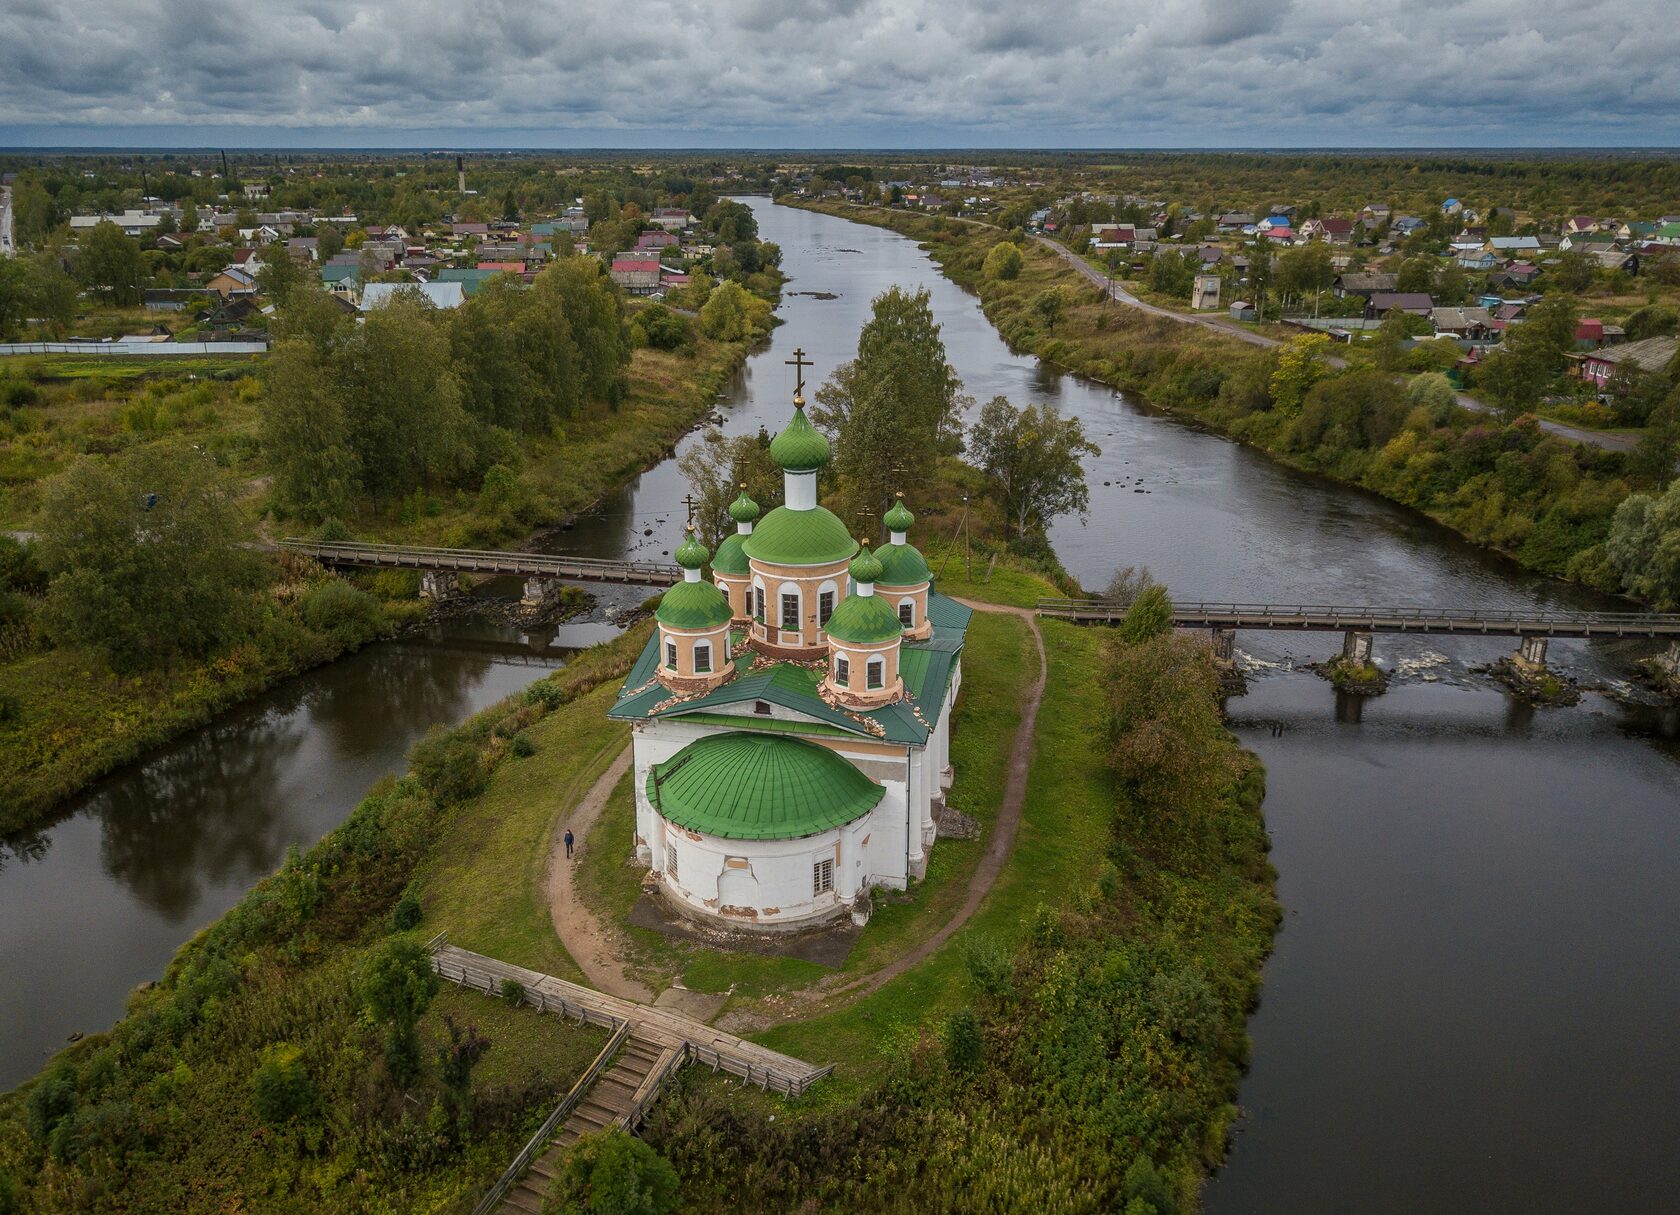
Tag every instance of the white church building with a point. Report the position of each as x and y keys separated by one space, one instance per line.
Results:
x=791 y=717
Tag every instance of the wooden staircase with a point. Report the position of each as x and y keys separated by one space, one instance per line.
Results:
x=618 y=1095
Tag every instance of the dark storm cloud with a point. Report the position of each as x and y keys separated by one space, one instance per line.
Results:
x=1105 y=72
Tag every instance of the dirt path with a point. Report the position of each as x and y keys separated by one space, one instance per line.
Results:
x=591 y=943
x=1002 y=834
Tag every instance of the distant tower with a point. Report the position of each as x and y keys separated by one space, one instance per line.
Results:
x=460 y=174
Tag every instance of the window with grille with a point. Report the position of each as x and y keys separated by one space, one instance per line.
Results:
x=825 y=607
x=758 y=604
x=671 y=654
x=790 y=611
x=877 y=672
x=703 y=658
x=671 y=860
x=842 y=669
x=907 y=613
x=822 y=876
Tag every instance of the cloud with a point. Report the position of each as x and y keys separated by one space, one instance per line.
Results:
x=844 y=72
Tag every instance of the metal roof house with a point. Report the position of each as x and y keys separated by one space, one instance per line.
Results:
x=791 y=716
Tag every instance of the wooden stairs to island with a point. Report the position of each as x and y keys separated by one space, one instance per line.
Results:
x=619 y=1094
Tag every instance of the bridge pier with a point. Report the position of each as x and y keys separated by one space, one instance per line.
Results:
x=1669 y=663
x=538 y=591
x=1224 y=645
x=1357 y=647
x=1531 y=654
x=439 y=584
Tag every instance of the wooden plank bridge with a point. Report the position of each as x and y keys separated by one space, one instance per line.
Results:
x=356 y=554
x=1324 y=618
x=648 y=1045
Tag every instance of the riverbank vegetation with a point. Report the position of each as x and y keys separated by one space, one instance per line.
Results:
x=1547 y=502
x=296 y=1055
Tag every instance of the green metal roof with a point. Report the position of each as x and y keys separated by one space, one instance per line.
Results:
x=693 y=605
x=743 y=786
x=800 y=537
x=691 y=554
x=800 y=447
x=902 y=565
x=899 y=517
x=864 y=620
x=339 y=273
x=925 y=666
x=730 y=558
x=864 y=567
x=743 y=509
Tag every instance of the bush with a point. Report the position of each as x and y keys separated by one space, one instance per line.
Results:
x=332 y=532
x=1150 y=615
x=281 y=1090
x=346 y=613
x=406 y=913
x=1003 y=262
x=963 y=1042
x=448 y=767
x=15 y=394
x=665 y=330
x=522 y=747
x=513 y=991
x=614 y=1174
x=988 y=965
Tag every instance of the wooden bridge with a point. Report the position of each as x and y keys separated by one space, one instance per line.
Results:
x=1333 y=619
x=647 y=1046
x=356 y=554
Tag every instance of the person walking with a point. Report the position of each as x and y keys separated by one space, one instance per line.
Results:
x=568 y=843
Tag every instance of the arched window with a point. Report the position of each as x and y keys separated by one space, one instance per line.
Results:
x=877 y=672
x=790 y=606
x=670 y=654
x=703 y=657
x=758 y=602
x=907 y=613
x=842 y=670
x=827 y=593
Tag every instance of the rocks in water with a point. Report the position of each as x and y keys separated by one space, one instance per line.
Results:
x=1540 y=686
x=1358 y=678
x=647 y=531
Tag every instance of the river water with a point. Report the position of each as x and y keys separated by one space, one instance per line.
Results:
x=1475 y=1000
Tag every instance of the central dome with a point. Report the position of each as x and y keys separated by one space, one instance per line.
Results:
x=799 y=537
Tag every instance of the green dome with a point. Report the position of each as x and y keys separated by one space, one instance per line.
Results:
x=800 y=447
x=799 y=537
x=691 y=554
x=864 y=567
x=731 y=557
x=864 y=620
x=743 y=509
x=693 y=605
x=741 y=786
x=901 y=565
x=899 y=517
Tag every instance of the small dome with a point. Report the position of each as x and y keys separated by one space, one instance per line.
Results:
x=691 y=554
x=731 y=557
x=864 y=620
x=800 y=447
x=693 y=605
x=743 y=509
x=864 y=567
x=899 y=517
x=901 y=565
x=740 y=786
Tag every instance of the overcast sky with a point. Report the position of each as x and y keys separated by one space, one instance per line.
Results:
x=839 y=73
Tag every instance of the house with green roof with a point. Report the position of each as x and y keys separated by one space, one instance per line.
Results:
x=791 y=718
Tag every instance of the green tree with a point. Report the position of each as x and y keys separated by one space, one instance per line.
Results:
x=1300 y=365
x=189 y=216
x=1305 y=270
x=1003 y=262
x=281 y=1089
x=1388 y=345
x=1035 y=457
x=894 y=408
x=1050 y=306
x=145 y=555
x=1171 y=273
x=1518 y=373
x=307 y=435
x=110 y=264
x=613 y=1173
x=1149 y=615
x=279 y=275
x=1417 y=275
x=964 y=1043
x=723 y=317
x=1434 y=393
x=1659 y=446
x=17 y=293
x=395 y=985
x=1163 y=728
x=1573 y=272
x=719 y=468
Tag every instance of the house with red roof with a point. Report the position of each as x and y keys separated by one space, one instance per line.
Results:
x=637 y=273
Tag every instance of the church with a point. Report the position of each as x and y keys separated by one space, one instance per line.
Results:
x=791 y=717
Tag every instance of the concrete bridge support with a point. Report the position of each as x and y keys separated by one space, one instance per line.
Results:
x=438 y=584
x=538 y=591
x=1670 y=662
x=1224 y=646
x=1531 y=654
x=1356 y=648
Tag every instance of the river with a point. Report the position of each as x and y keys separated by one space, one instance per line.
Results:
x=1475 y=1000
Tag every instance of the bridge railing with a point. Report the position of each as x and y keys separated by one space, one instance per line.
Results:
x=408 y=556
x=1386 y=615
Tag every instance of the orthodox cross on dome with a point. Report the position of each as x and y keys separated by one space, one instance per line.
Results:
x=799 y=363
x=688 y=501
x=864 y=514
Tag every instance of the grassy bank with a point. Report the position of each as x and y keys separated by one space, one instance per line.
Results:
x=161 y=1112
x=1541 y=500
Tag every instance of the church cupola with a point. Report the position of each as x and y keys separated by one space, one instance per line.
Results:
x=694 y=618
x=730 y=568
x=863 y=641
x=905 y=579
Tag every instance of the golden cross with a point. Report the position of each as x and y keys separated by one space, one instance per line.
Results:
x=799 y=364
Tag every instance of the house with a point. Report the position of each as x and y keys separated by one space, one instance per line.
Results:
x=1273 y=221
x=1365 y=284
x=1511 y=245
x=1334 y=231
x=1516 y=274
x=471 y=278
x=503 y=267
x=1417 y=303
x=307 y=246
x=439 y=295
x=1580 y=223
x=1405 y=225
x=791 y=717
x=469 y=230
x=234 y=280
x=656 y=240
x=171 y=242
x=1589 y=333
x=1374 y=215
x=1652 y=354
x=636 y=274
x=671 y=219
x=1586 y=242
x=1282 y=233
x=1234 y=221
x=1452 y=207
x=1477 y=259
x=132 y=222
x=1617 y=261
x=1204 y=294
x=1468 y=324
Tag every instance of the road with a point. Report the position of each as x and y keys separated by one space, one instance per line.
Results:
x=1577 y=434
x=7 y=245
